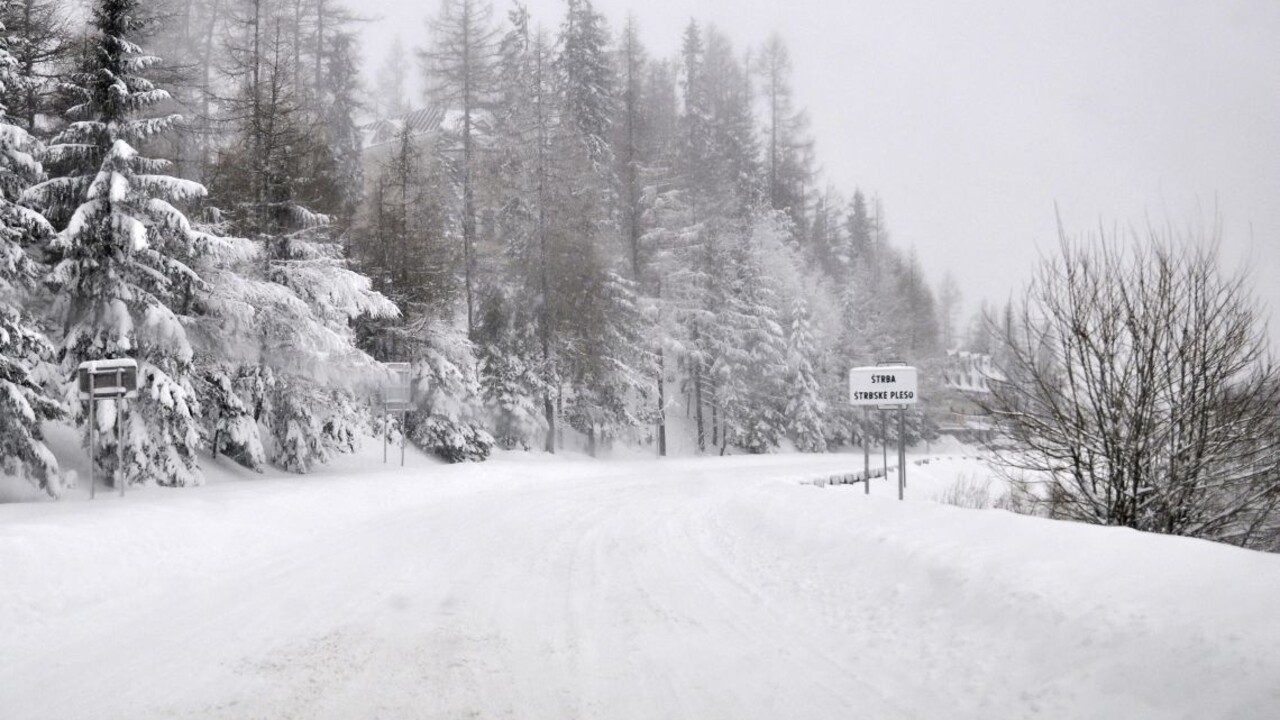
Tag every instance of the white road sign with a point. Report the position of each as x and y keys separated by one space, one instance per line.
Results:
x=399 y=391
x=882 y=385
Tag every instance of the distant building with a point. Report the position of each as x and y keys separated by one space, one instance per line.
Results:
x=969 y=377
x=385 y=131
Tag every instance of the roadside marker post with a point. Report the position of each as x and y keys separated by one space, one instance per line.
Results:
x=114 y=380
x=888 y=386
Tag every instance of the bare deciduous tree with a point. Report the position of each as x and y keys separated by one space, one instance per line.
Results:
x=1138 y=385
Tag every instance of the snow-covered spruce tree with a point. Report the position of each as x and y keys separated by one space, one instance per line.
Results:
x=408 y=240
x=751 y=363
x=805 y=407
x=788 y=152
x=737 y=182
x=587 y=79
x=510 y=380
x=339 y=172
x=389 y=95
x=221 y=335
x=301 y=293
x=612 y=384
x=123 y=259
x=513 y=335
x=41 y=44
x=24 y=403
x=636 y=150
x=460 y=67
x=608 y=365
x=447 y=421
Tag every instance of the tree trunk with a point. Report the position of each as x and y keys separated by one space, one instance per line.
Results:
x=549 y=410
x=662 y=406
x=697 y=404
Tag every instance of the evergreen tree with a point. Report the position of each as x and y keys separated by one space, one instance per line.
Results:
x=124 y=258
x=949 y=307
x=510 y=380
x=447 y=421
x=460 y=68
x=630 y=139
x=24 y=403
x=409 y=249
x=339 y=173
x=40 y=47
x=751 y=363
x=694 y=149
x=858 y=230
x=805 y=406
x=788 y=155
x=587 y=80
x=302 y=293
x=733 y=176
x=390 y=97
x=514 y=332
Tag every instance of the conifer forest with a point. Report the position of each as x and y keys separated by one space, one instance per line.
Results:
x=564 y=235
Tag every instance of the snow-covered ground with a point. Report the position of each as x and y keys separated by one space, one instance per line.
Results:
x=531 y=587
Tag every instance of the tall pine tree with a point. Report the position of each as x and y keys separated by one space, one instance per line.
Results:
x=125 y=254
x=24 y=403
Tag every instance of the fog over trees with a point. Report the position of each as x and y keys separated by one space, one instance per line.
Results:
x=570 y=238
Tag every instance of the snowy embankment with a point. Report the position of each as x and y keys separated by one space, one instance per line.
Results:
x=565 y=588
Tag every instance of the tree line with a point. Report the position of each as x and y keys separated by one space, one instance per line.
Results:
x=591 y=239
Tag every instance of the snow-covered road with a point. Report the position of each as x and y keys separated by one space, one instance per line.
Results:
x=712 y=588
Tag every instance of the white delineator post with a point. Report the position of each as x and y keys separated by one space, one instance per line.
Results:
x=888 y=386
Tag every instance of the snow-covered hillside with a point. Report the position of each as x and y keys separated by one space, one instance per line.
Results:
x=530 y=587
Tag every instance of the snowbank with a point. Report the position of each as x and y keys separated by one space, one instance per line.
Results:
x=570 y=588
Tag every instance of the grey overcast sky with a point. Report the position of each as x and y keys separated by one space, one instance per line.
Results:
x=970 y=120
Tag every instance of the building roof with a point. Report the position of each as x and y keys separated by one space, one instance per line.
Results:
x=970 y=371
x=386 y=130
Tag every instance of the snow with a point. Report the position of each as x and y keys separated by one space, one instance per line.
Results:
x=538 y=587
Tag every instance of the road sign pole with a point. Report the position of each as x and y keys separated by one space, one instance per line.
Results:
x=119 y=382
x=120 y=477
x=93 y=443
x=884 y=442
x=386 y=427
x=866 y=449
x=902 y=450
x=904 y=447
x=888 y=386
x=120 y=433
x=402 y=434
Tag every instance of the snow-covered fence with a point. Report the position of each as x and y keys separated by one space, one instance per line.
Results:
x=852 y=478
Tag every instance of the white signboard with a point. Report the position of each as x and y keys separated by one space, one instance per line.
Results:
x=399 y=391
x=882 y=385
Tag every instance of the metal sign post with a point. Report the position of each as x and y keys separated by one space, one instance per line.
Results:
x=888 y=386
x=113 y=379
x=884 y=444
x=902 y=450
x=93 y=439
x=397 y=396
x=866 y=450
